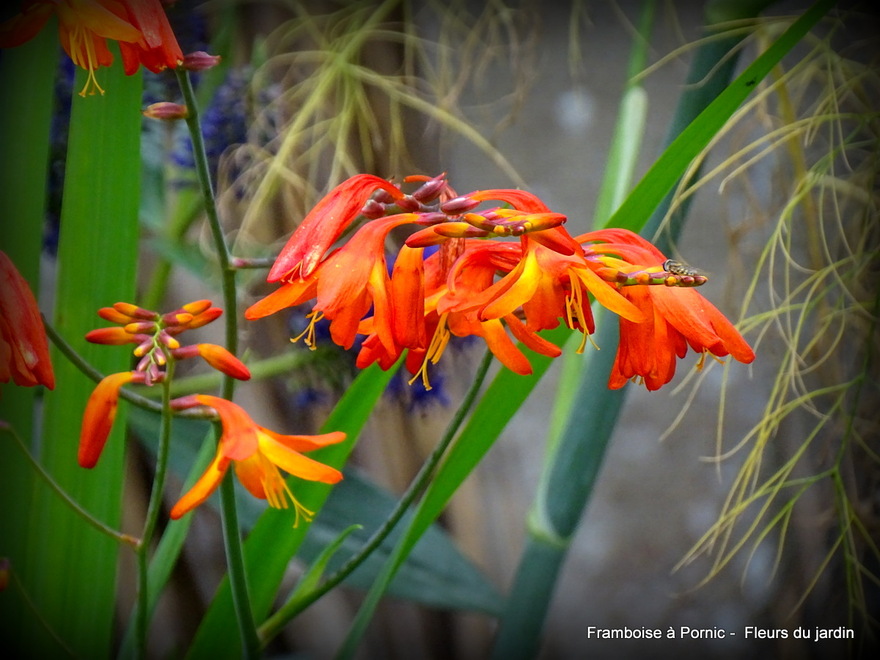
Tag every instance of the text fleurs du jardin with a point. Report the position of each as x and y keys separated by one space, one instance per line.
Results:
x=749 y=632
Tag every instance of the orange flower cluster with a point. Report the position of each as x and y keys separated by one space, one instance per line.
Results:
x=84 y=26
x=256 y=452
x=24 y=351
x=480 y=283
x=156 y=338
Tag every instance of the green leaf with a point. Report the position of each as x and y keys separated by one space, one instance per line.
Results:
x=70 y=571
x=26 y=73
x=435 y=574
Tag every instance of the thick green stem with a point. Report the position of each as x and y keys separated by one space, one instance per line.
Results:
x=290 y=609
x=231 y=532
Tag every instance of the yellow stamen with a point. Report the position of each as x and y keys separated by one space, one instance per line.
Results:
x=81 y=43
x=574 y=311
x=702 y=361
x=278 y=492
x=309 y=332
x=434 y=352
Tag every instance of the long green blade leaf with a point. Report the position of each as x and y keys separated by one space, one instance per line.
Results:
x=70 y=572
x=24 y=141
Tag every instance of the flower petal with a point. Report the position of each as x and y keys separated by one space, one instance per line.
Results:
x=239 y=438
x=324 y=224
x=99 y=415
x=203 y=488
x=296 y=464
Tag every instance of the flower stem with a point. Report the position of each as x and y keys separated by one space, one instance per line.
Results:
x=273 y=625
x=65 y=497
x=153 y=510
x=229 y=515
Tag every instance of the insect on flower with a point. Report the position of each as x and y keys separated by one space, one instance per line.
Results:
x=680 y=268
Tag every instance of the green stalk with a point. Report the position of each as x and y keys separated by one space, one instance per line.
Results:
x=573 y=466
x=231 y=532
x=273 y=625
x=153 y=510
x=70 y=569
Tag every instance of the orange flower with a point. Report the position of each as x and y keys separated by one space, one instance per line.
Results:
x=140 y=26
x=347 y=284
x=100 y=413
x=476 y=285
x=324 y=224
x=24 y=351
x=675 y=317
x=257 y=454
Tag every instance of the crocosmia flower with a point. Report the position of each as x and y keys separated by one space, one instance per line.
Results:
x=257 y=454
x=139 y=26
x=674 y=318
x=156 y=344
x=24 y=351
x=502 y=272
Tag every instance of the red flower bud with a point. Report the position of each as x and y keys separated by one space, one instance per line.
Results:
x=166 y=111
x=200 y=60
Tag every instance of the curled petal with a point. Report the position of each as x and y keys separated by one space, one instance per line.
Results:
x=203 y=488
x=296 y=464
x=504 y=349
x=305 y=442
x=288 y=294
x=239 y=439
x=324 y=224
x=99 y=415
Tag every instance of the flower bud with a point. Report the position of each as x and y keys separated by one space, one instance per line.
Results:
x=373 y=209
x=200 y=60
x=203 y=318
x=177 y=318
x=115 y=336
x=431 y=189
x=166 y=111
x=135 y=312
x=141 y=327
x=114 y=316
x=196 y=307
x=408 y=203
x=459 y=205
x=383 y=196
x=222 y=360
